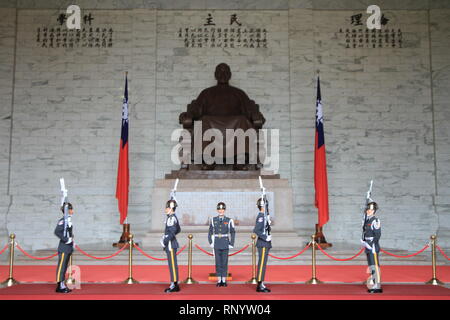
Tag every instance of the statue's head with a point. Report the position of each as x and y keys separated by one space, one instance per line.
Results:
x=223 y=73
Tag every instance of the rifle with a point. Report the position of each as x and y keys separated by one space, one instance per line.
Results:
x=368 y=199
x=174 y=190
x=64 y=202
x=266 y=203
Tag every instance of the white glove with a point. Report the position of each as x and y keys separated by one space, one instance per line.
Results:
x=162 y=241
x=211 y=244
x=70 y=240
x=230 y=246
x=365 y=244
x=269 y=238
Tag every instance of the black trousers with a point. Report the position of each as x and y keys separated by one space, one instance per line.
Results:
x=63 y=262
x=221 y=256
x=173 y=264
x=263 y=254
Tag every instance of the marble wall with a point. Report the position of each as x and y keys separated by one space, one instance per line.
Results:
x=7 y=41
x=440 y=62
x=386 y=112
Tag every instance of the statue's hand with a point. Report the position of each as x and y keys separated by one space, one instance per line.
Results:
x=257 y=119
x=186 y=120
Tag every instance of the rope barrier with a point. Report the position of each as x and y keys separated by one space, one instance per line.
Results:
x=204 y=251
x=101 y=258
x=36 y=258
x=291 y=257
x=334 y=258
x=211 y=254
x=154 y=258
x=239 y=251
x=442 y=252
x=4 y=249
x=408 y=256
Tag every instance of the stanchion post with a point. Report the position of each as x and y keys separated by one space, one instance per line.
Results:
x=130 y=279
x=70 y=280
x=253 y=279
x=189 y=279
x=313 y=279
x=434 y=280
x=10 y=281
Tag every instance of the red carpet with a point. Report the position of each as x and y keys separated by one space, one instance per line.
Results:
x=160 y=273
x=232 y=292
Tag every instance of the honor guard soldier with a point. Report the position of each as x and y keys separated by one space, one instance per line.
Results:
x=371 y=237
x=221 y=237
x=64 y=231
x=170 y=244
x=263 y=243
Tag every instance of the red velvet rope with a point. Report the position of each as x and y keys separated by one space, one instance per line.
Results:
x=408 y=256
x=347 y=259
x=291 y=257
x=239 y=251
x=36 y=258
x=442 y=252
x=101 y=258
x=202 y=250
x=210 y=254
x=154 y=258
x=4 y=249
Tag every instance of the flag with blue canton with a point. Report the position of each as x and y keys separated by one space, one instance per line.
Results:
x=320 y=163
x=123 y=172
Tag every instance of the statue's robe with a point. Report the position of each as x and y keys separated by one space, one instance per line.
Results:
x=225 y=107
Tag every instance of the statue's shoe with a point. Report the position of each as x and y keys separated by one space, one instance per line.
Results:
x=241 y=167
x=208 y=166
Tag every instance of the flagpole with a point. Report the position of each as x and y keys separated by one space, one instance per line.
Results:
x=126 y=218
x=319 y=237
x=125 y=237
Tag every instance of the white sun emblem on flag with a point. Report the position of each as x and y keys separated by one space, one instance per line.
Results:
x=125 y=111
x=319 y=114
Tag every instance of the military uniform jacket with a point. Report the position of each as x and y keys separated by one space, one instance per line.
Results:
x=262 y=230
x=171 y=230
x=372 y=231
x=221 y=233
x=59 y=232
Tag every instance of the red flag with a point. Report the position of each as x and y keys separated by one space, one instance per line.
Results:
x=123 y=172
x=320 y=164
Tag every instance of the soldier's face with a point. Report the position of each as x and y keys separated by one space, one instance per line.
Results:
x=70 y=211
x=168 y=210
x=370 y=212
x=221 y=212
x=262 y=209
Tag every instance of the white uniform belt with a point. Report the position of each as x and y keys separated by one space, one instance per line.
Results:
x=221 y=235
x=368 y=238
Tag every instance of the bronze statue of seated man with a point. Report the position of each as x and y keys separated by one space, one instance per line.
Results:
x=224 y=107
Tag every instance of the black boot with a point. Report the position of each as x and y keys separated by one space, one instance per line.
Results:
x=174 y=288
x=260 y=288
x=219 y=284
x=375 y=290
x=61 y=289
x=224 y=284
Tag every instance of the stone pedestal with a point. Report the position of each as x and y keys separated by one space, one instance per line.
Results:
x=245 y=193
